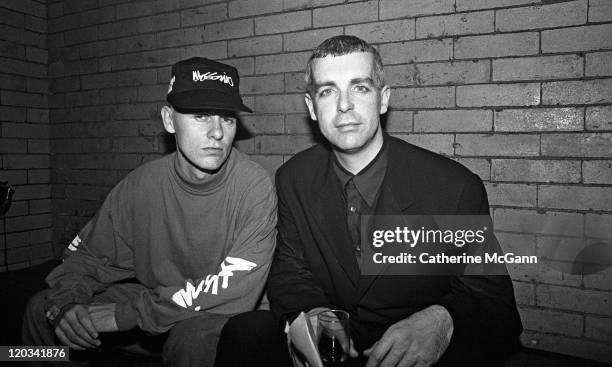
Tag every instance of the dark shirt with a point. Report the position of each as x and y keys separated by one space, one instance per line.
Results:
x=361 y=193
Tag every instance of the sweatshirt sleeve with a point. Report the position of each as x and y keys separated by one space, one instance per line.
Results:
x=237 y=283
x=96 y=258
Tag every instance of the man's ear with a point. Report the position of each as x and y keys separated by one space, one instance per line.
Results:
x=385 y=93
x=311 y=107
x=167 y=114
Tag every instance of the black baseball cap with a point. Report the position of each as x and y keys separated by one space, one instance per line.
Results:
x=201 y=84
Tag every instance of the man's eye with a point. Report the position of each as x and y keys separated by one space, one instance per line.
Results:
x=228 y=120
x=325 y=92
x=362 y=88
x=201 y=117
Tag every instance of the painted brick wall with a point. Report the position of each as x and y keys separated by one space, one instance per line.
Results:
x=517 y=90
x=25 y=232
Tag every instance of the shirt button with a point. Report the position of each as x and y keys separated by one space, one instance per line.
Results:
x=353 y=209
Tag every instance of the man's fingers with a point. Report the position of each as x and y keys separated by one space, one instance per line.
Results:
x=89 y=327
x=81 y=333
x=72 y=336
x=378 y=352
x=64 y=339
x=393 y=357
x=410 y=361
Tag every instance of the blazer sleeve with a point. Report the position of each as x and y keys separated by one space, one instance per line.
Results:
x=483 y=308
x=291 y=284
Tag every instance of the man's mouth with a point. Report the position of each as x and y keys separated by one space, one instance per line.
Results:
x=348 y=126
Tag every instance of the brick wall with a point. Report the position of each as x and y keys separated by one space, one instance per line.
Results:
x=24 y=133
x=517 y=90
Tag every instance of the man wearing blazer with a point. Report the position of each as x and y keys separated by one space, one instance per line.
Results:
x=396 y=320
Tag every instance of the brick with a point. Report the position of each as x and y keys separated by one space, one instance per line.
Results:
x=519 y=244
x=432 y=97
x=552 y=321
x=585 y=38
x=300 y=124
x=573 y=197
x=304 y=4
x=14 y=82
x=345 y=14
x=398 y=121
x=538 y=68
x=38 y=115
x=411 y=8
x=283 y=144
x=600 y=11
x=308 y=40
x=212 y=50
x=463 y=5
x=403 y=75
x=577 y=92
x=524 y=293
x=497 y=145
x=460 y=72
x=23 y=68
x=40 y=206
x=269 y=162
x=577 y=145
x=545 y=16
x=129 y=10
x=264 y=124
x=288 y=103
x=154 y=58
x=11 y=49
x=18 y=224
x=18 y=209
x=511 y=194
x=598 y=225
x=10 y=113
x=151 y=93
x=527 y=94
x=14 y=177
x=245 y=145
x=416 y=51
x=599 y=118
x=453 y=120
x=38 y=146
x=599 y=64
x=455 y=24
x=255 y=46
x=203 y=15
x=246 y=8
x=28 y=7
x=437 y=143
x=179 y=37
x=479 y=166
x=581 y=300
x=390 y=31
x=535 y=170
x=13 y=145
x=281 y=23
x=16 y=130
x=597 y=172
x=281 y=63
x=497 y=45
x=599 y=328
x=38 y=176
x=294 y=82
x=539 y=119
x=228 y=30
x=10 y=17
x=598 y=276
x=262 y=84
x=37 y=55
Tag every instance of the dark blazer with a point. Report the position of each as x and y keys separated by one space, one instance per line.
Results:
x=315 y=265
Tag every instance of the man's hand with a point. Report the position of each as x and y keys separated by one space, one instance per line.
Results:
x=103 y=317
x=418 y=340
x=346 y=344
x=77 y=330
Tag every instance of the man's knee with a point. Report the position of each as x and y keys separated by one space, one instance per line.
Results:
x=35 y=328
x=250 y=327
x=194 y=341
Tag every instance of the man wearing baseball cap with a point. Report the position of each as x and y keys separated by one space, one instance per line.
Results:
x=179 y=245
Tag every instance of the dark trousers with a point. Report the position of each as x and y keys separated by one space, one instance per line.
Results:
x=192 y=342
x=255 y=339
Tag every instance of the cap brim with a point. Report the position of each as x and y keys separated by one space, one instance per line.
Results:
x=205 y=99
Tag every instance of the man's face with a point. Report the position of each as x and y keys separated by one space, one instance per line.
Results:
x=204 y=140
x=345 y=102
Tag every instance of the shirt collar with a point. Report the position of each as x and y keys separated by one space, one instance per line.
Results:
x=369 y=179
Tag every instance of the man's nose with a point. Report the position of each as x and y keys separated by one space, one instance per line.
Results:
x=345 y=102
x=216 y=130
